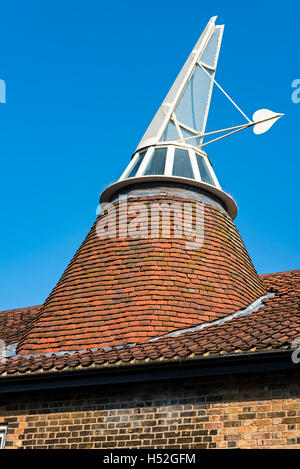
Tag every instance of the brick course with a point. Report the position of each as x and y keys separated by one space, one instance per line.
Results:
x=230 y=412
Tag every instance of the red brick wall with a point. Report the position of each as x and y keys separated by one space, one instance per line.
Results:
x=216 y=413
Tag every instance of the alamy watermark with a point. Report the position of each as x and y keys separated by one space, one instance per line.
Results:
x=139 y=220
x=2 y=351
x=296 y=352
x=2 y=91
x=296 y=93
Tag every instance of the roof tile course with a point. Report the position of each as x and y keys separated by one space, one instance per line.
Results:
x=15 y=322
x=273 y=327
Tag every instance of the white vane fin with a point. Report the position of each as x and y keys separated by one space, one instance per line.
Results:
x=264 y=119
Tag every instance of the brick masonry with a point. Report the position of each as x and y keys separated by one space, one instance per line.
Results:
x=232 y=412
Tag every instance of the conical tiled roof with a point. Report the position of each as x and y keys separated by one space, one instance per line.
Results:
x=117 y=291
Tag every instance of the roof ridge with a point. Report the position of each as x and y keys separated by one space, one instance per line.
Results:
x=23 y=308
x=252 y=308
x=282 y=272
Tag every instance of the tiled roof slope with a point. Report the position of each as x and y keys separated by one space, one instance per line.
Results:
x=118 y=291
x=273 y=327
x=14 y=323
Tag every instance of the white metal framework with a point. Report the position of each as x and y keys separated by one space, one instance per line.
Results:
x=184 y=111
x=172 y=161
x=183 y=114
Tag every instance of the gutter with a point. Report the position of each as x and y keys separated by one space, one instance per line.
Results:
x=233 y=364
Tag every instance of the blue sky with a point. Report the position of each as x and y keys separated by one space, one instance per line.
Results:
x=84 y=80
